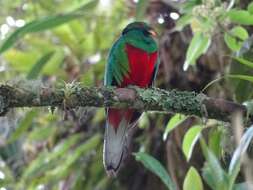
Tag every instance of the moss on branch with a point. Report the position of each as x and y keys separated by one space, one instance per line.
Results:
x=152 y=99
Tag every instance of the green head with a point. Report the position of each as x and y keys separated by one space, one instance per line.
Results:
x=141 y=27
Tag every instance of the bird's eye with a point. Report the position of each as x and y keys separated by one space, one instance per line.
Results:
x=146 y=33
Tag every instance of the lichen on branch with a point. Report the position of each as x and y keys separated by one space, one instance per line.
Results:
x=152 y=99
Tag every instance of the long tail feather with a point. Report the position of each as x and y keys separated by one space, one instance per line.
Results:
x=118 y=133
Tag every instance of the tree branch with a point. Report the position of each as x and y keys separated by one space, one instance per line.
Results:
x=27 y=94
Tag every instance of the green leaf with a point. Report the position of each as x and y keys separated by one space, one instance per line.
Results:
x=36 y=69
x=155 y=166
x=187 y=6
x=213 y=173
x=141 y=9
x=46 y=161
x=23 y=126
x=73 y=157
x=249 y=106
x=192 y=180
x=198 y=46
x=250 y=8
x=41 y=133
x=182 y=22
x=190 y=140
x=241 y=77
x=90 y=5
x=214 y=141
x=143 y=121
x=240 y=32
x=172 y=124
x=54 y=63
x=84 y=148
x=234 y=39
x=15 y=57
x=37 y=26
x=244 y=61
x=208 y=176
x=234 y=166
x=240 y=17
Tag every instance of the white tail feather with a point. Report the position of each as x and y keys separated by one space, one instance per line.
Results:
x=116 y=144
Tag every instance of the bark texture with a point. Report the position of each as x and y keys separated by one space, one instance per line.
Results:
x=152 y=99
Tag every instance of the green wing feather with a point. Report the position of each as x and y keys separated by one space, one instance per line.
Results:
x=117 y=66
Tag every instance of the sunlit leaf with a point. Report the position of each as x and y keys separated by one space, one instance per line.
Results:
x=192 y=180
x=53 y=65
x=234 y=39
x=173 y=123
x=190 y=139
x=36 y=69
x=240 y=17
x=202 y=26
x=240 y=32
x=144 y=121
x=198 y=46
x=87 y=6
x=15 y=57
x=250 y=8
x=214 y=141
x=182 y=22
x=37 y=26
x=41 y=133
x=155 y=166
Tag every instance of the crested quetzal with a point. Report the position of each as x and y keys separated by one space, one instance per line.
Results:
x=133 y=60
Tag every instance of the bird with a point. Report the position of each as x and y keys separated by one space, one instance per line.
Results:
x=132 y=60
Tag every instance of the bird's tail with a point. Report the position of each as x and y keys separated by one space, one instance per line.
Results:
x=117 y=139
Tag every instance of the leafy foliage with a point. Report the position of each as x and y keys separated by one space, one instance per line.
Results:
x=173 y=123
x=69 y=41
x=198 y=46
x=190 y=140
x=58 y=41
x=155 y=166
x=192 y=180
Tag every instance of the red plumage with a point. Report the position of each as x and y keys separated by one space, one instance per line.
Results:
x=141 y=70
x=141 y=67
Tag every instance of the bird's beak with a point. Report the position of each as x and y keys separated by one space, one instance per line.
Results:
x=152 y=33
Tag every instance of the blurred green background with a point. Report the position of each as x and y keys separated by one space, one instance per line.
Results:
x=59 y=41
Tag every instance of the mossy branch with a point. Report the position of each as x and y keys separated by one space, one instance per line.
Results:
x=153 y=99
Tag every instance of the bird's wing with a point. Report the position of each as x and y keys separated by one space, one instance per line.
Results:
x=155 y=72
x=117 y=66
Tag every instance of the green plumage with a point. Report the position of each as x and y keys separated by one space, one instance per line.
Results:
x=133 y=60
x=118 y=64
